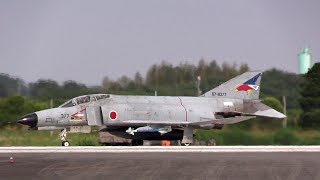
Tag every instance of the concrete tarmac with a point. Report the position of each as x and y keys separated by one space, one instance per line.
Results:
x=161 y=165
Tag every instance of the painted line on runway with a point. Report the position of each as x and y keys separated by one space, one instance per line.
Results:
x=142 y=149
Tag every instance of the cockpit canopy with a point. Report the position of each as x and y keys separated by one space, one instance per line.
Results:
x=84 y=99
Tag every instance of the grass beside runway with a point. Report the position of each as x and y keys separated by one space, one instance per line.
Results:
x=11 y=136
x=281 y=136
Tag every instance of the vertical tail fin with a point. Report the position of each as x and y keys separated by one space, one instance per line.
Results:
x=244 y=86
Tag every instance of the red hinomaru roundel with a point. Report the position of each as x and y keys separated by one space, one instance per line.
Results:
x=113 y=115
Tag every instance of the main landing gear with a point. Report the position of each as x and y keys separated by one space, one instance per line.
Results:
x=187 y=136
x=63 y=136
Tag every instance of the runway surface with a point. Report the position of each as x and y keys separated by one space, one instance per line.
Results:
x=295 y=163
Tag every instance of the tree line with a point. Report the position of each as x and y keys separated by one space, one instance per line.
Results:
x=166 y=79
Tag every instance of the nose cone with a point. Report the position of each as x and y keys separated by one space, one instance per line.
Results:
x=29 y=119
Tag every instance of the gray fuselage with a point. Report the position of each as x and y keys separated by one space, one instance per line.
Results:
x=119 y=110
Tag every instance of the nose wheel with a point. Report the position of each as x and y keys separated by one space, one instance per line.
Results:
x=65 y=143
x=63 y=137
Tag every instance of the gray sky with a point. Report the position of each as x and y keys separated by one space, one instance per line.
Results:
x=87 y=40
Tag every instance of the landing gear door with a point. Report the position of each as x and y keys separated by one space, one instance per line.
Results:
x=94 y=115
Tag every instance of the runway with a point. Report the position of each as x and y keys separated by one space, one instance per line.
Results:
x=256 y=162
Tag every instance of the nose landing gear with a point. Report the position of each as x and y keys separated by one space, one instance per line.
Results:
x=63 y=136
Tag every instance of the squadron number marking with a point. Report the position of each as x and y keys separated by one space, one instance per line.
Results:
x=65 y=116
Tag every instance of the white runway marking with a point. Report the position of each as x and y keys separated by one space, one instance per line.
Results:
x=141 y=149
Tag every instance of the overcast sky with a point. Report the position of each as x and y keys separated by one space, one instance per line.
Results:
x=87 y=40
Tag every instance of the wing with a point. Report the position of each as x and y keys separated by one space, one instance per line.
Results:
x=231 y=120
x=149 y=122
x=203 y=121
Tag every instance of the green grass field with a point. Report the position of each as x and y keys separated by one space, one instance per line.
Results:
x=17 y=136
x=235 y=136
x=10 y=136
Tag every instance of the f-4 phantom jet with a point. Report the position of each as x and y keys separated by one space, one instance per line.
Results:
x=157 y=117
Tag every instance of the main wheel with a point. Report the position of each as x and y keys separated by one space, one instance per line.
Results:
x=65 y=143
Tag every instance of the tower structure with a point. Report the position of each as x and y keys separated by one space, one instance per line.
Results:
x=304 y=61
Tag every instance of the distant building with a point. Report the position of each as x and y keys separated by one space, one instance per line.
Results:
x=304 y=61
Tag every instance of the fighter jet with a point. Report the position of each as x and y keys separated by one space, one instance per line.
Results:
x=157 y=117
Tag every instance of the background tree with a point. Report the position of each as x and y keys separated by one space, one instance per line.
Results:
x=13 y=107
x=45 y=90
x=71 y=89
x=138 y=80
x=278 y=83
x=124 y=82
x=273 y=103
x=106 y=83
x=310 y=101
x=10 y=85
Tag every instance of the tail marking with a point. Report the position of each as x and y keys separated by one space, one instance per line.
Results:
x=249 y=85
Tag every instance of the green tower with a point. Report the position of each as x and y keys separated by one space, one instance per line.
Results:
x=304 y=61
